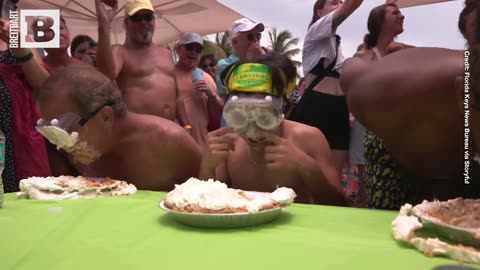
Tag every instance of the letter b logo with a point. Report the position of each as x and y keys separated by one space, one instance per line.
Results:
x=45 y=27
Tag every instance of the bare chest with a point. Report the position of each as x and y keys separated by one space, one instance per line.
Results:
x=140 y=63
x=249 y=174
x=134 y=164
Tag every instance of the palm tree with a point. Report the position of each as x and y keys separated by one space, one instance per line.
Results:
x=284 y=43
x=213 y=48
x=222 y=40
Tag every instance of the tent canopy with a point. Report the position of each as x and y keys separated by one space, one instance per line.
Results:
x=172 y=17
x=411 y=3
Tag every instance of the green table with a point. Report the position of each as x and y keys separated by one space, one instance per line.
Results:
x=133 y=233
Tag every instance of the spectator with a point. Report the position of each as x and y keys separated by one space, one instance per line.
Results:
x=144 y=71
x=208 y=63
x=84 y=48
x=323 y=105
x=200 y=96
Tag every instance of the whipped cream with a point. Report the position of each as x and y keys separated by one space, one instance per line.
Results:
x=70 y=187
x=215 y=195
x=58 y=136
x=405 y=225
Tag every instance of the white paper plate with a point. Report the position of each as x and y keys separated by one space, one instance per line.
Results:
x=234 y=220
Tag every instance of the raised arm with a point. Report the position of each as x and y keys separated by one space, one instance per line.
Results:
x=327 y=25
x=345 y=10
x=109 y=59
x=220 y=143
x=29 y=60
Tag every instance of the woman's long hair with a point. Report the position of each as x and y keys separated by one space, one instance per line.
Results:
x=375 y=23
x=319 y=4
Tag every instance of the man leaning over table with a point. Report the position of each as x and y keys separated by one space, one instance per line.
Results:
x=260 y=150
x=148 y=151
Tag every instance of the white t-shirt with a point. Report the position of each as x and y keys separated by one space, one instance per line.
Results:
x=320 y=42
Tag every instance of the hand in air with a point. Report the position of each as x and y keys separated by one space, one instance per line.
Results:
x=219 y=145
x=106 y=11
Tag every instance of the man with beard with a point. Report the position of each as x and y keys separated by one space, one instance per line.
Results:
x=259 y=150
x=83 y=113
x=143 y=70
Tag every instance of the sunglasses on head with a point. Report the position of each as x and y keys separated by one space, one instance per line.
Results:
x=192 y=48
x=148 y=17
x=205 y=66
x=254 y=37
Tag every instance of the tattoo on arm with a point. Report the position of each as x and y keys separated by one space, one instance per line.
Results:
x=337 y=20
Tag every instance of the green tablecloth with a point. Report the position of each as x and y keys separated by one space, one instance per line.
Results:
x=133 y=233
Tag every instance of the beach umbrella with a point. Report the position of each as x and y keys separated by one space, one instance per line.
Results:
x=173 y=17
x=412 y=3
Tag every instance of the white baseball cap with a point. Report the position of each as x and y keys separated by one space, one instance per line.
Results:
x=244 y=25
x=187 y=38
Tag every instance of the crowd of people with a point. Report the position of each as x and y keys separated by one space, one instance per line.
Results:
x=245 y=120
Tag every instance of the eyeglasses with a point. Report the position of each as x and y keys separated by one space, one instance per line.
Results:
x=254 y=37
x=148 y=17
x=85 y=119
x=205 y=66
x=192 y=48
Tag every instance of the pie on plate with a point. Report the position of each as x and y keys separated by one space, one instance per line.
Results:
x=212 y=204
x=71 y=187
x=449 y=228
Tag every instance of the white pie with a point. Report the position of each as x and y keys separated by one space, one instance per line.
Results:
x=70 y=187
x=197 y=196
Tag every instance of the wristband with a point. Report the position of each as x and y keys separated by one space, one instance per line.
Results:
x=25 y=58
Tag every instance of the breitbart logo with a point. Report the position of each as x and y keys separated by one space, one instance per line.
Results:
x=45 y=28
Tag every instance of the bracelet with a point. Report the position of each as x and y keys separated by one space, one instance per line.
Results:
x=187 y=127
x=23 y=59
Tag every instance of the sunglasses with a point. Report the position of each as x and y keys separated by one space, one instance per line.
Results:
x=254 y=37
x=85 y=119
x=192 y=48
x=148 y=17
x=205 y=66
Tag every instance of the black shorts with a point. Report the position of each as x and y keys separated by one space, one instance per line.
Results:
x=328 y=113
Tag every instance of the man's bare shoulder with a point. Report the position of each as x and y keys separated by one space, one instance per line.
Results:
x=162 y=129
x=365 y=54
x=162 y=50
x=303 y=132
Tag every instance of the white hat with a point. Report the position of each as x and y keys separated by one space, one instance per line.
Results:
x=187 y=38
x=244 y=25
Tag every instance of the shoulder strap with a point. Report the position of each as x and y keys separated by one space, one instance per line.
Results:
x=324 y=71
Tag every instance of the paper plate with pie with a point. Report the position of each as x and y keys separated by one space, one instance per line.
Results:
x=71 y=187
x=449 y=228
x=211 y=204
